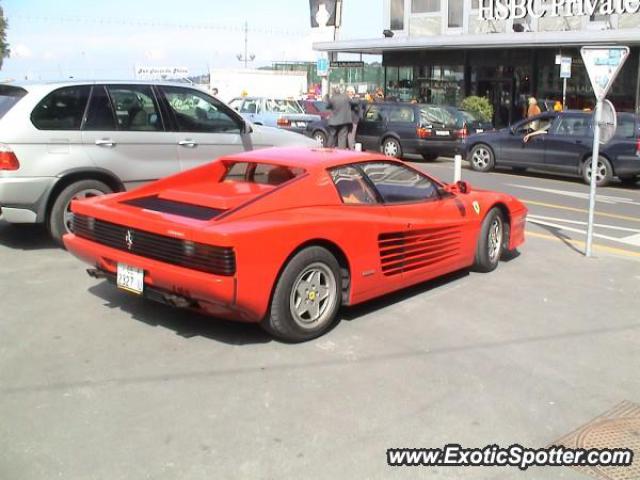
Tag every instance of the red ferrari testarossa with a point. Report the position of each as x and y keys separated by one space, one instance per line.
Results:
x=284 y=237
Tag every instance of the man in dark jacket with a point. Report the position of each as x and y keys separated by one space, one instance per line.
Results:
x=340 y=119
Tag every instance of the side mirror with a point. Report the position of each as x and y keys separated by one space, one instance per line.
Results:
x=247 y=128
x=463 y=187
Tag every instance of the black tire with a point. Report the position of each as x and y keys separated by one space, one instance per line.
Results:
x=320 y=137
x=605 y=172
x=629 y=181
x=429 y=157
x=489 y=249
x=281 y=322
x=391 y=147
x=520 y=169
x=481 y=158
x=59 y=218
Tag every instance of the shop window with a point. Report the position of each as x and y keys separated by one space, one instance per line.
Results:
x=396 y=17
x=455 y=13
x=425 y=6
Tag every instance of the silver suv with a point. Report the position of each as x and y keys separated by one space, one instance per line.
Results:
x=62 y=141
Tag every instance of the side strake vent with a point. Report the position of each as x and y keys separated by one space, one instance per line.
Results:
x=411 y=250
x=157 y=204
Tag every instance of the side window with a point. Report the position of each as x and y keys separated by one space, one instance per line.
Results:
x=401 y=114
x=399 y=184
x=197 y=112
x=249 y=106
x=538 y=124
x=573 y=126
x=136 y=108
x=100 y=114
x=62 y=109
x=373 y=114
x=352 y=186
x=626 y=127
x=236 y=103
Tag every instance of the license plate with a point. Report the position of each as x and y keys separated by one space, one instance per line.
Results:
x=442 y=133
x=301 y=124
x=479 y=130
x=130 y=278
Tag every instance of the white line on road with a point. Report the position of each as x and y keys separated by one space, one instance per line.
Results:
x=578 y=222
x=631 y=240
x=583 y=196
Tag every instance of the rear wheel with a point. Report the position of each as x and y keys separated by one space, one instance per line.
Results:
x=491 y=243
x=604 y=172
x=481 y=158
x=320 y=137
x=306 y=298
x=391 y=147
x=61 y=217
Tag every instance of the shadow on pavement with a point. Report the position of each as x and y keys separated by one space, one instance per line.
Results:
x=25 y=237
x=566 y=239
x=185 y=323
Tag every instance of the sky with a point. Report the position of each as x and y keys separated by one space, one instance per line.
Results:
x=106 y=39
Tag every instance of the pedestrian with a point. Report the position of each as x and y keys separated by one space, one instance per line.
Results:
x=557 y=107
x=533 y=109
x=340 y=120
x=356 y=115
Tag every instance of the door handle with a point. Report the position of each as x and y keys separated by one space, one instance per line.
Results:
x=105 y=142
x=187 y=143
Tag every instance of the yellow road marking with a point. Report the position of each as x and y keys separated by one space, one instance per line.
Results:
x=581 y=210
x=581 y=244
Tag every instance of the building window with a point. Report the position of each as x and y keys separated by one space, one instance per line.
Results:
x=425 y=6
x=455 y=13
x=397 y=15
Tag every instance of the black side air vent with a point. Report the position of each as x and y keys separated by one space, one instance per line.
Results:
x=181 y=209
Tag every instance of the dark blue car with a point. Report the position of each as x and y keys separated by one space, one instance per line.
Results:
x=559 y=142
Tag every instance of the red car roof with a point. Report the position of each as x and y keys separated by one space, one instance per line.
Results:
x=307 y=158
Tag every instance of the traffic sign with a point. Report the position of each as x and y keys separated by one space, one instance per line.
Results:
x=322 y=67
x=565 y=67
x=603 y=65
x=608 y=122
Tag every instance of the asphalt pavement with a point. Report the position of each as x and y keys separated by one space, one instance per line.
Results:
x=98 y=384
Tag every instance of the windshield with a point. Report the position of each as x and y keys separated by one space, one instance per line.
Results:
x=9 y=96
x=430 y=114
x=283 y=106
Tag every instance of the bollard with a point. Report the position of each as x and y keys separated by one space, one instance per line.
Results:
x=457 y=168
x=358 y=147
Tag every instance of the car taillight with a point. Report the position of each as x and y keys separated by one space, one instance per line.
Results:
x=283 y=122
x=638 y=147
x=423 y=132
x=462 y=133
x=8 y=159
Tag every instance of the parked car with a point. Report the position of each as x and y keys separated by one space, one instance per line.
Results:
x=316 y=107
x=69 y=140
x=467 y=123
x=400 y=128
x=559 y=142
x=274 y=112
x=284 y=237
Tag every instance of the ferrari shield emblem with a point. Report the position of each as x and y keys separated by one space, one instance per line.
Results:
x=476 y=207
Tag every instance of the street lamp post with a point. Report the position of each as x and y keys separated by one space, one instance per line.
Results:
x=246 y=57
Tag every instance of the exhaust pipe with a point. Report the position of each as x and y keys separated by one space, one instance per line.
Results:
x=178 y=301
x=96 y=273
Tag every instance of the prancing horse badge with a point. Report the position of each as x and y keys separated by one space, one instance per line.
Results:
x=476 y=207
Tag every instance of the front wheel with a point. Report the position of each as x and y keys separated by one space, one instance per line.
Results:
x=604 y=172
x=392 y=148
x=61 y=217
x=491 y=243
x=482 y=158
x=307 y=296
x=320 y=137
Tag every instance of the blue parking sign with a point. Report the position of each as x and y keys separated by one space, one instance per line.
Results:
x=322 y=67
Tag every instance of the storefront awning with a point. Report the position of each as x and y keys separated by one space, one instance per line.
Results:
x=378 y=46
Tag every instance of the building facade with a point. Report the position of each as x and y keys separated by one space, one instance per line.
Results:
x=441 y=51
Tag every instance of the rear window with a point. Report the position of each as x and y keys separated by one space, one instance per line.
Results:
x=260 y=173
x=431 y=114
x=62 y=109
x=9 y=96
x=626 y=127
x=283 y=106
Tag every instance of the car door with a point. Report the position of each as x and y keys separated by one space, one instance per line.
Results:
x=567 y=142
x=524 y=146
x=371 y=127
x=429 y=224
x=250 y=110
x=123 y=131
x=205 y=128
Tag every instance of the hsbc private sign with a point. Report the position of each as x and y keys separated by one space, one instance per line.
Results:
x=506 y=9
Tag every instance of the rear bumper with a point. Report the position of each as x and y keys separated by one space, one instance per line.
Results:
x=446 y=148
x=212 y=294
x=24 y=199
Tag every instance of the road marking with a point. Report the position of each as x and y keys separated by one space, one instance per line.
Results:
x=578 y=222
x=581 y=195
x=582 y=232
x=581 y=210
x=581 y=244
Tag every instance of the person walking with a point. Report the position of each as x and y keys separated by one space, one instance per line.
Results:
x=356 y=115
x=533 y=109
x=340 y=120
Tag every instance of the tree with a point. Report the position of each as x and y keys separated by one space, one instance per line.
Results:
x=4 y=46
x=479 y=106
